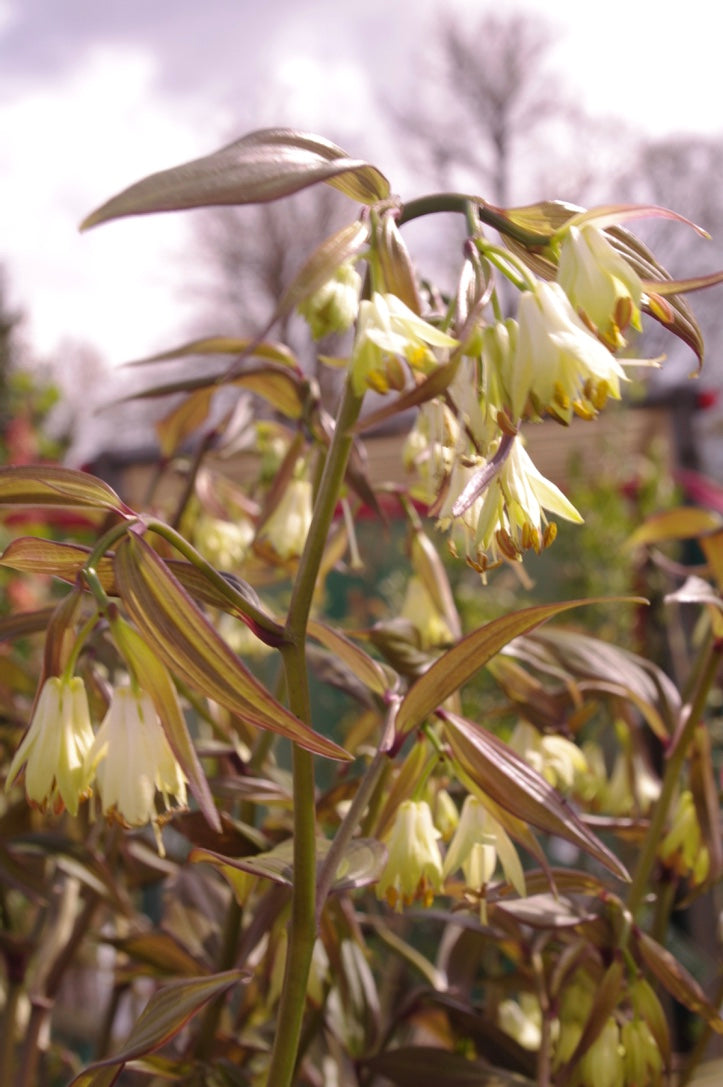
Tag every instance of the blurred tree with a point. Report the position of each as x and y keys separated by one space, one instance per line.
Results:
x=26 y=395
x=496 y=114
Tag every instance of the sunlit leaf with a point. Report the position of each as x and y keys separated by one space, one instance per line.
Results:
x=51 y=487
x=178 y=424
x=684 y=523
x=500 y=773
x=262 y=166
x=34 y=555
x=455 y=667
x=165 y=1014
x=223 y=345
x=190 y=646
x=677 y=980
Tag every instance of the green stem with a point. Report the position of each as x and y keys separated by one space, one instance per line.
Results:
x=671 y=777
x=302 y=929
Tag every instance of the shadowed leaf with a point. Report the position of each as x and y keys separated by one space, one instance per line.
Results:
x=160 y=951
x=685 y=523
x=424 y=1066
x=361 y=863
x=165 y=1014
x=676 y=979
x=365 y=668
x=263 y=166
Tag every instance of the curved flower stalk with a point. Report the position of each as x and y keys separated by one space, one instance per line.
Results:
x=54 y=749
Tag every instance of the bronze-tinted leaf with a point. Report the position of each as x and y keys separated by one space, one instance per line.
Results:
x=455 y=667
x=361 y=862
x=370 y=672
x=607 y=668
x=34 y=555
x=677 y=980
x=183 y=637
x=224 y=345
x=160 y=951
x=165 y=1014
x=47 y=487
x=178 y=424
x=426 y=1066
x=500 y=773
x=684 y=523
x=262 y=166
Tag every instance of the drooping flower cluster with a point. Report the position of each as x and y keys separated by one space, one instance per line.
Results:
x=129 y=758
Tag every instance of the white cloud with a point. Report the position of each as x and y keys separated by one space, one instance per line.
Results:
x=64 y=149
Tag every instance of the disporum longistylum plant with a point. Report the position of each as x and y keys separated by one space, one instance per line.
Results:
x=393 y=891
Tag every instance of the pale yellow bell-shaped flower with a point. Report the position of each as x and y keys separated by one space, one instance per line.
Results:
x=559 y=365
x=642 y=1060
x=512 y=509
x=334 y=306
x=414 y=862
x=603 y=1065
x=55 y=746
x=133 y=760
x=284 y=534
x=478 y=842
x=600 y=283
x=388 y=331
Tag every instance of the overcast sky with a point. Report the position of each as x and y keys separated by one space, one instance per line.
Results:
x=94 y=95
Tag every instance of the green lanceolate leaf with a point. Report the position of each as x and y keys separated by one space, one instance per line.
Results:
x=165 y=1014
x=517 y=788
x=361 y=863
x=48 y=487
x=455 y=667
x=263 y=166
x=183 y=637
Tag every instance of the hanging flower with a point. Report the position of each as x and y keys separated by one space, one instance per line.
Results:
x=600 y=283
x=133 y=760
x=414 y=863
x=55 y=746
x=477 y=843
x=422 y=612
x=334 y=306
x=559 y=365
x=683 y=849
x=388 y=332
x=224 y=543
x=283 y=535
x=558 y=760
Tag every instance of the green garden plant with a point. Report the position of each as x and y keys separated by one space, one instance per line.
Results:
x=392 y=892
